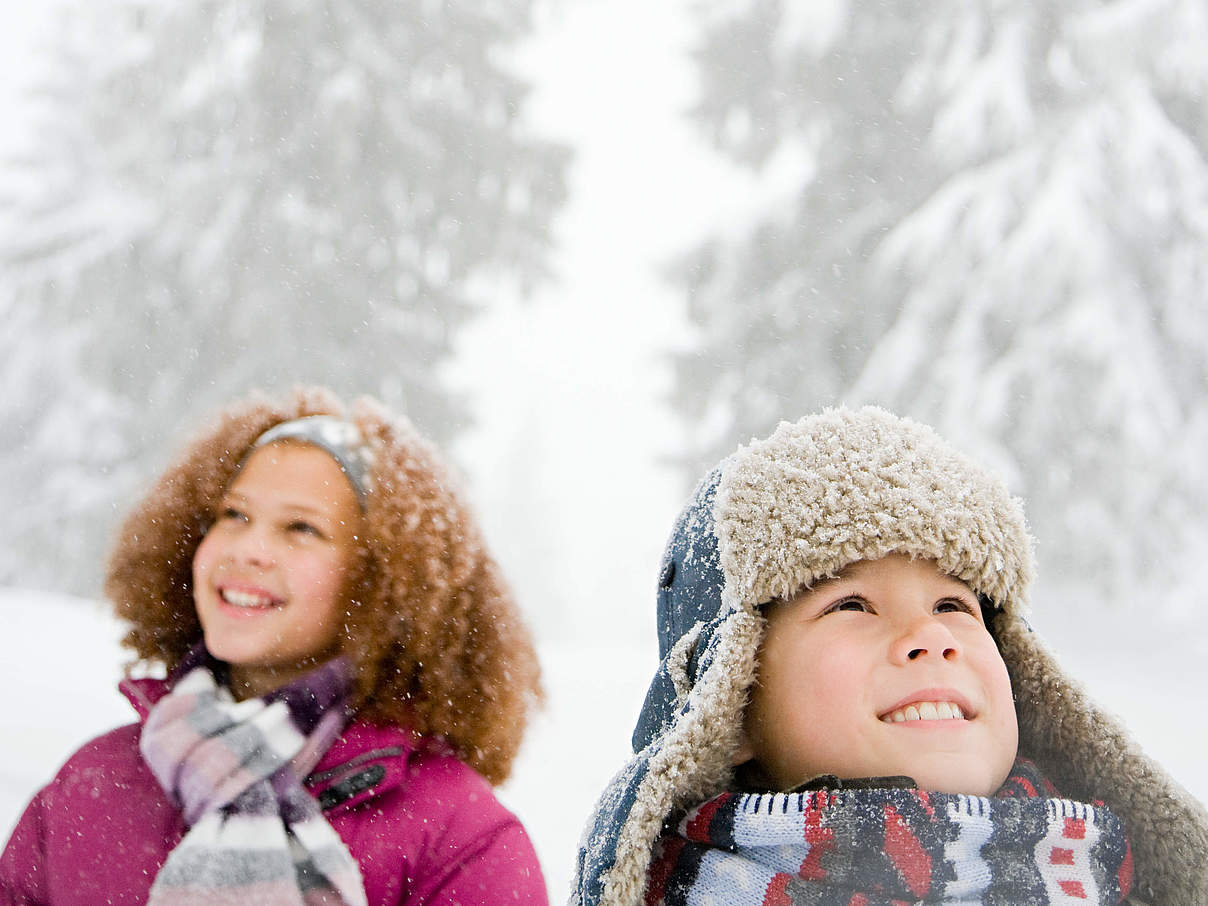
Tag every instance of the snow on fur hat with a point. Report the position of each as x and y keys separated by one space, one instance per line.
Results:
x=782 y=513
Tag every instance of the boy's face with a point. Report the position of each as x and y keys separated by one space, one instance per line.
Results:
x=859 y=674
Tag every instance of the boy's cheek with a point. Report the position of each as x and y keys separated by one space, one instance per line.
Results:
x=1006 y=729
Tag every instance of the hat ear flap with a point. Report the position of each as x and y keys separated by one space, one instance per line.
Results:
x=1089 y=755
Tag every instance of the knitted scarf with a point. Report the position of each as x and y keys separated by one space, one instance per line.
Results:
x=891 y=847
x=256 y=836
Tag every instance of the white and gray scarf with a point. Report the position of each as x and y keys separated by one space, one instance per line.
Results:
x=235 y=769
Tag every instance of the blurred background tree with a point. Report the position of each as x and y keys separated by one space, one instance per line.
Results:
x=990 y=216
x=226 y=194
x=1016 y=212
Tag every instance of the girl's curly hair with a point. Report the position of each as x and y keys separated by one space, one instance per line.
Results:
x=436 y=640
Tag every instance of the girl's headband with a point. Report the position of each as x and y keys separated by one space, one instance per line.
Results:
x=340 y=438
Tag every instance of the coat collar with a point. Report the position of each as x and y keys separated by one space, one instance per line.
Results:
x=366 y=760
x=143 y=694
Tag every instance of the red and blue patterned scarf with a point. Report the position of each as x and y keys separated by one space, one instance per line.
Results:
x=235 y=769
x=893 y=847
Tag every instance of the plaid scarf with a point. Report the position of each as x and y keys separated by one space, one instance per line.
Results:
x=892 y=847
x=255 y=834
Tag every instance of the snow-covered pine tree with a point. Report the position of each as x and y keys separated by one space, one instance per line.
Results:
x=58 y=448
x=992 y=216
x=226 y=194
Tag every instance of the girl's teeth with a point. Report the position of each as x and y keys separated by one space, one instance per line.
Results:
x=243 y=599
x=925 y=711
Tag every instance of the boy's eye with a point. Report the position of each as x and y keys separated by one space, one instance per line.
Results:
x=855 y=605
x=952 y=605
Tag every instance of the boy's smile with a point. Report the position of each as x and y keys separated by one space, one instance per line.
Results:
x=940 y=704
x=886 y=670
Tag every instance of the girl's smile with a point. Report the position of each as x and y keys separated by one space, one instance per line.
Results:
x=247 y=598
x=271 y=577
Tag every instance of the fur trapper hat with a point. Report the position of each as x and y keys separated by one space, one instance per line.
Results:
x=782 y=513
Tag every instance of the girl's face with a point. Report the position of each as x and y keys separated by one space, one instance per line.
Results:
x=271 y=577
x=885 y=670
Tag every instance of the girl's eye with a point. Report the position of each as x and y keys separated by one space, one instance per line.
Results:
x=855 y=605
x=231 y=513
x=304 y=528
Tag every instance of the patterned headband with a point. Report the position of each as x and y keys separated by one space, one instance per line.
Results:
x=341 y=439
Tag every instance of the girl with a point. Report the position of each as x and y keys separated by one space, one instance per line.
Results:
x=346 y=675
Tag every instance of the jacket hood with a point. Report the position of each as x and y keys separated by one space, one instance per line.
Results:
x=784 y=512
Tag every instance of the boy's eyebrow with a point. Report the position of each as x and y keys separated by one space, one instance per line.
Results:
x=820 y=583
x=963 y=584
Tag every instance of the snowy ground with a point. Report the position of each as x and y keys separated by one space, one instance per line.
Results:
x=66 y=695
x=62 y=694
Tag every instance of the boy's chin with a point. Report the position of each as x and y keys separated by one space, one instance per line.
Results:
x=962 y=779
x=972 y=787
x=967 y=780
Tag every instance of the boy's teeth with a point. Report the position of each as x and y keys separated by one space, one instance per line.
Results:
x=245 y=599
x=925 y=711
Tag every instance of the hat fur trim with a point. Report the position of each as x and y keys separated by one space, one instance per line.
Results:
x=848 y=485
x=696 y=756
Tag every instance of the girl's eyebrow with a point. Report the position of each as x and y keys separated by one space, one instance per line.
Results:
x=230 y=499
x=312 y=513
x=305 y=508
x=232 y=496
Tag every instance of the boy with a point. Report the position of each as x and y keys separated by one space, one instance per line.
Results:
x=850 y=708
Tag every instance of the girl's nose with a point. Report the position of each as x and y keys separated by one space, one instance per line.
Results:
x=253 y=548
x=923 y=638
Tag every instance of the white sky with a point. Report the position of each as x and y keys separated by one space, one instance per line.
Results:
x=18 y=24
x=577 y=377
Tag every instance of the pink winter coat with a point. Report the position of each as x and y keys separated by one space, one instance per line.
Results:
x=424 y=827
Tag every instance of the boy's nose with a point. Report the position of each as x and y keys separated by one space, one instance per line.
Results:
x=924 y=638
